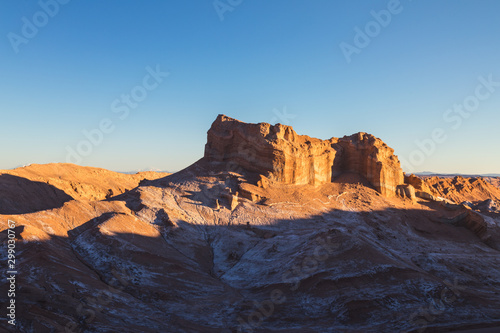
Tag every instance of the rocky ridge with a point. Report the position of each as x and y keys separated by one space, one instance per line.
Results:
x=44 y=186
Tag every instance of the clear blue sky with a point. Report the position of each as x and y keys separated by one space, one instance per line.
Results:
x=264 y=60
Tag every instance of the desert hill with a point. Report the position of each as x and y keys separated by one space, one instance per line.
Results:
x=38 y=187
x=269 y=232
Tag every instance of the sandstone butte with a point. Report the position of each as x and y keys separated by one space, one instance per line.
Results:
x=280 y=154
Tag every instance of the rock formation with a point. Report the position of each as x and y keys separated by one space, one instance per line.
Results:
x=460 y=189
x=282 y=155
x=406 y=191
x=372 y=158
x=455 y=195
x=419 y=184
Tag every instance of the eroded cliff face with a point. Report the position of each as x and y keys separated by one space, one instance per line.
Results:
x=280 y=154
x=372 y=158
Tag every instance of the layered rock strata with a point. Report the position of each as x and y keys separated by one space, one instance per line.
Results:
x=280 y=154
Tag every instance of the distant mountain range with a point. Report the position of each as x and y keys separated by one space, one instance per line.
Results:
x=429 y=173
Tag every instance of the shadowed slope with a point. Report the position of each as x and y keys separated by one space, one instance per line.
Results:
x=20 y=196
x=39 y=187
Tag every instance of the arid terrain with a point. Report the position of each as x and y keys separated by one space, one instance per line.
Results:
x=270 y=231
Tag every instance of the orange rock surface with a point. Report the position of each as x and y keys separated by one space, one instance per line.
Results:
x=280 y=154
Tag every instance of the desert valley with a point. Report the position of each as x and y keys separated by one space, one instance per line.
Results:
x=270 y=231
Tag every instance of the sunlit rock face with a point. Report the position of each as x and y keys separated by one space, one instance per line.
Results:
x=279 y=153
x=372 y=158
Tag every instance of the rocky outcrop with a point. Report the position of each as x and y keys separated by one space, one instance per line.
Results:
x=471 y=190
x=371 y=157
x=418 y=183
x=488 y=205
x=406 y=191
x=460 y=189
x=251 y=192
x=469 y=220
x=274 y=151
x=279 y=153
